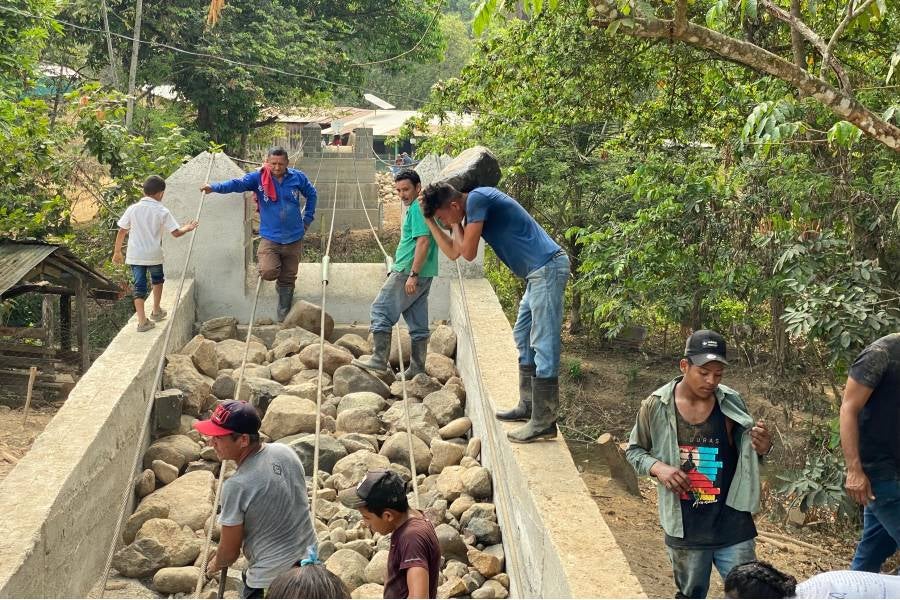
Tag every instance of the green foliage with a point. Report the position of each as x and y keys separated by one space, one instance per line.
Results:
x=820 y=484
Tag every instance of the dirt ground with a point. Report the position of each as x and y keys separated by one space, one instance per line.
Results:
x=16 y=440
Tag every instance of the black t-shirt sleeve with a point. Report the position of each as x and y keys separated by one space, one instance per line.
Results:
x=870 y=366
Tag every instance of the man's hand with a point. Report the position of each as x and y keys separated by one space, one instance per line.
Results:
x=411 y=285
x=211 y=569
x=761 y=438
x=672 y=478
x=118 y=258
x=207 y=189
x=858 y=486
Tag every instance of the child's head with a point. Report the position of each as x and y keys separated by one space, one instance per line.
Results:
x=759 y=579
x=307 y=581
x=155 y=187
x=381 y=500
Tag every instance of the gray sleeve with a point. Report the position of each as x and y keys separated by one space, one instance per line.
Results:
x=233 y=504
x=870 y=366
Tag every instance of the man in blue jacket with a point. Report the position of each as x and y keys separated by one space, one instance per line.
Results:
x=282 y=222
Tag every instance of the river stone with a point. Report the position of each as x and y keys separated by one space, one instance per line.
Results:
x=219 y=329
x=456 y=389
x=288 y=415
x=302 y=336
x=265 y=333
x=189 y=499
x=181 y=373
x=366 y=400
x=203 y=465
x=473 y=448
x=223 y=386
x=491 y=589
x=231 y=353
x=203 y=354
x=287 y=348
x=444 y=405
x=474 y=167
x=453 y=588
x=376 y=572
x=176 y=450
x=349 y=566
x=334 y=357
x=309 y=317
x=164 y=472
x=368 y=590
x=451 y=542
x=444 y=454
x=182 y=546
x=358 y=420
x=357 y=345
x=359 y=441
x=364 y=548
x=477 y=482
x=307 y=389
x=440 y=367
x=257 y=387
x=145 y=484
x=486 y=532
x=406 y=346
x=176 y=580
x=449 y=483
x=331 y=450
x=423 y=423
x=140 y=559
x=442 y=341
x=419 y=386
x=141 y=516
x=461 y=505
x=456 y=428
x=351 y=469
x=396 y=448
x=479 y=510
x=497 y=550
x=349 y=379
x=502 y=579
x=252 y=370
x=283 y=369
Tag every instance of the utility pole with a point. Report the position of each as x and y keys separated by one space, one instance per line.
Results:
x=132 y=70
x=113 y=67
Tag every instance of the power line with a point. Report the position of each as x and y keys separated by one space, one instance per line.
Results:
x=437 y=12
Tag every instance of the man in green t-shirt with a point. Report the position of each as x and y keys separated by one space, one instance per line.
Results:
x=406 y=289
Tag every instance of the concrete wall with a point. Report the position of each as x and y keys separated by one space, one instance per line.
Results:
x=556 y=541
x=59 y=504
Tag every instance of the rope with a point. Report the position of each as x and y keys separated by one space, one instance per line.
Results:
x=139 y=446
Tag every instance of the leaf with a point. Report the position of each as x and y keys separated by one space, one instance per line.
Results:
x=613 y=27
x=895 y=59
x=484 y=15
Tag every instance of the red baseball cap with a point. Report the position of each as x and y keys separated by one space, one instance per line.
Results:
x=230 y=417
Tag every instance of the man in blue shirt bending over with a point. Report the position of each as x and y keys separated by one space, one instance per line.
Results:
x=282 y=223
x=528 y=251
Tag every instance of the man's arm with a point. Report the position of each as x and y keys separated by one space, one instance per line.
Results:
x=466 y=238
x=444 y=242
x=247 y=183
x=638 y=454
x=117 y=248
x=423 y=242
x=417 y=582
x=312 y=198
x=856 y=395
x=229 y=548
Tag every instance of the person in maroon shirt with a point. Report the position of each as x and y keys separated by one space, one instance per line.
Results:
x=414 y=560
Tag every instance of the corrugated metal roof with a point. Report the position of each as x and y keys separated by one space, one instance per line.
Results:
x=17 y=259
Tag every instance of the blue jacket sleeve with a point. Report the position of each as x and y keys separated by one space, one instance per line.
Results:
x=309 y=192
x=247 y=183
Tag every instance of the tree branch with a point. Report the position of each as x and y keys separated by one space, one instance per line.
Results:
x=848 y=18
x=760 y=59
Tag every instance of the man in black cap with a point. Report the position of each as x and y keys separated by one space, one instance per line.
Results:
x=696 y=437
x=414 y=560
x=264 y=504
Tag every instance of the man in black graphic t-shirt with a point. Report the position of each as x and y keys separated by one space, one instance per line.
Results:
x=697 y=438
x=870 y=437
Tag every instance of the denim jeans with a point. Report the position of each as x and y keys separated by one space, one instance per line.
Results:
x=693 y=567
x=539 y=323
x=139 y=272
x=392 y=301
x=881 y=527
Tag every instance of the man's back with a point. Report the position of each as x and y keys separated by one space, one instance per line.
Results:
x=878 y=367
x=268 y=496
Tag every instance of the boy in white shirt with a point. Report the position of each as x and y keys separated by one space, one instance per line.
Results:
x=145 y=222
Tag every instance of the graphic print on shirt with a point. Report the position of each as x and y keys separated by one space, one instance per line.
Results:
x=702 y=464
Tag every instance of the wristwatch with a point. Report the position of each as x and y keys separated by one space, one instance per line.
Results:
x=413 y=274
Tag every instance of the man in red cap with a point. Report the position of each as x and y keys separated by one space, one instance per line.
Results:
x=264 y=504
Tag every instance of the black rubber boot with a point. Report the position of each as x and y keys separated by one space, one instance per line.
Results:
x=285 y=297
x=522 y=411
x=416 y=359
x=545 y=406
x=378 y=362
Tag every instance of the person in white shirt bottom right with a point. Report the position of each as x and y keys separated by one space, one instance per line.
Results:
x=144 y=223
x=759 y=579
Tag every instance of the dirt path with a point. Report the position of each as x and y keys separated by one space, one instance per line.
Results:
x=14 y=440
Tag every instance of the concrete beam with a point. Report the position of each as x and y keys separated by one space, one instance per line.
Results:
x=59 y=505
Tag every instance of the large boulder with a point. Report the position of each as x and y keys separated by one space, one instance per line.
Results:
x=357 y=345
x=253 y=388
x=334 y=357
x=486 y=532
x=231 y=353
x=307 y=389
x=451 y=542
x=182 y=547
x=456 y=428
x=349 y=566
x=189 y=499
x=444 y=454
x=367 y=400
x=331 y=450
x=349 y=379
x=223 y=386
x=444 y=405
x=472 y=168
x=264 y=333
x=176 y=580
x=181 y=373
x=176 y=450
x=440 y=367
x=423 y=423
x=478 y=510
x=358 y=420
x=288 y=415
x=140 y=559
x=477 y=482
x=486 y=564
x=359 y=441
x=350 y=470
x=219 y=329
x=140 y=516
x=203 y=354
x=283 y=370
x=449 y=483
x=376 y=571
x=396 y=449
x=309 y=317
x=301 y=336
x=368 y=591
x=419 y=386
x=442 y=341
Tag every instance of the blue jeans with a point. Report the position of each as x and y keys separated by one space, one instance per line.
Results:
x=693 y=567
x=139 y=272
x=539 y=323
x=392 y=301
x=881 y=527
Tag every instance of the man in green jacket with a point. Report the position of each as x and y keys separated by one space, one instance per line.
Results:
x=696 y=437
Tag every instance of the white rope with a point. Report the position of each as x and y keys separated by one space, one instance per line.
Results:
x=139 y=446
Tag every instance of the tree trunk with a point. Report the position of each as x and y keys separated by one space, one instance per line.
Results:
x=619 y=468
x=132 y=69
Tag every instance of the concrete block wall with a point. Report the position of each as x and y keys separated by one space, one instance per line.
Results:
x=59 y=505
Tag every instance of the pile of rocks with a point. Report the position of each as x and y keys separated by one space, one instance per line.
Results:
x=386 y=193
x=364 y=427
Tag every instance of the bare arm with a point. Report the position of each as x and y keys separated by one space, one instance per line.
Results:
x=466 y=238
x=856 y=395
x=189 y=226
x=229 y=548
x=443 y=240
x=117 y=248
x=417 y=582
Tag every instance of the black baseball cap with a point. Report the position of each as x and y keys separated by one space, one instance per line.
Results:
x=705 y=346
x=230 y=417
x=381 y=487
